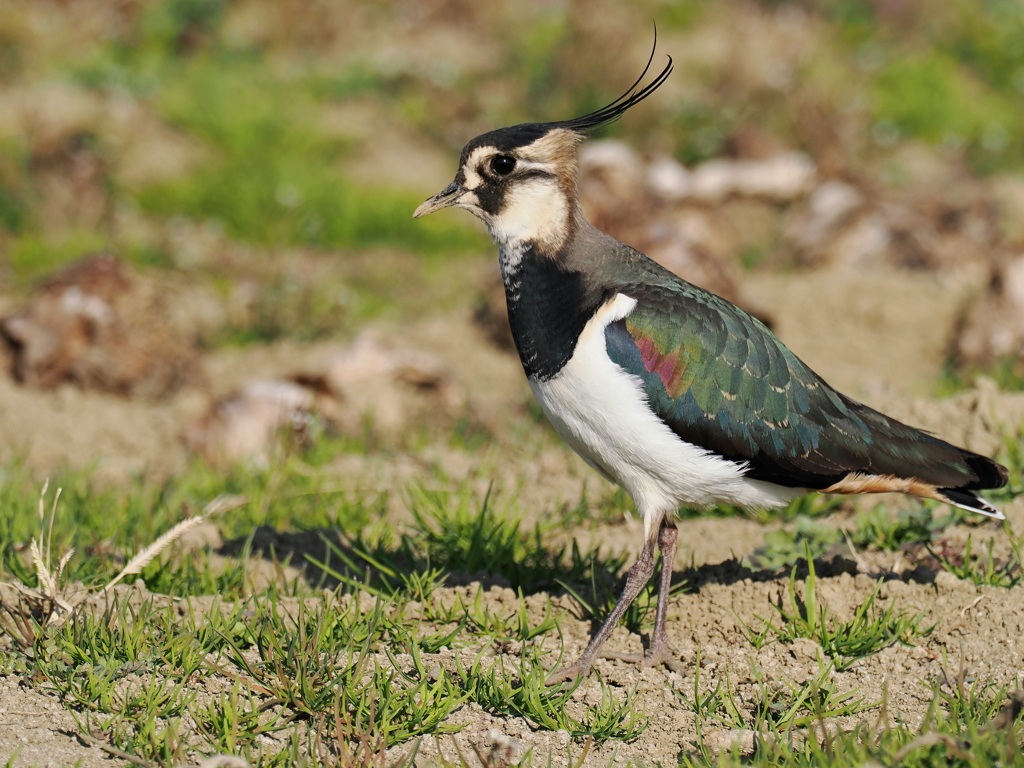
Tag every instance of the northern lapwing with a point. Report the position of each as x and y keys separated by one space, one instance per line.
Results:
x=665 y=389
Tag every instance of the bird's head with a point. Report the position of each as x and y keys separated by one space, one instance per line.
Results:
x=521 y=181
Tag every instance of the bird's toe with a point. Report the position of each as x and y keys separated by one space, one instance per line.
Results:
x=568 y=674
x=663 y=656
x=658 y=655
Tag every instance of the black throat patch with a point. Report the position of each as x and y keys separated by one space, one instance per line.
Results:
x=548 y=308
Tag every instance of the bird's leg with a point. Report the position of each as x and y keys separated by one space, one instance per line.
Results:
x=659 y=651
x=636 y=577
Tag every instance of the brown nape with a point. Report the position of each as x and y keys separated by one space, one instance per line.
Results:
x=859 y=482
x=558 y=147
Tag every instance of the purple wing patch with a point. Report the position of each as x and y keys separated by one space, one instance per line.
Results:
x=669 y=366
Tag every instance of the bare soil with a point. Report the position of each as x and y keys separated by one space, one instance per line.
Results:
x=881 y=337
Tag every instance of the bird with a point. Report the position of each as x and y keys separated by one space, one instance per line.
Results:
x=667 y=390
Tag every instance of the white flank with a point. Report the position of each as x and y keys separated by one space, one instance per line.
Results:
x=602 y=412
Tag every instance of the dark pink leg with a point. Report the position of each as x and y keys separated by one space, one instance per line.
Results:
x=636 y=578
x=659 y=652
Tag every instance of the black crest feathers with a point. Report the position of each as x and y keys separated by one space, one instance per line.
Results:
x=615 y=110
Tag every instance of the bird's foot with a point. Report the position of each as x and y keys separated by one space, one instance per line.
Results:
x=657 y=655
x=580 y=668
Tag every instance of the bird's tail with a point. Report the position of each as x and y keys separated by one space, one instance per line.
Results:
x=967 y=500
x=990 y=474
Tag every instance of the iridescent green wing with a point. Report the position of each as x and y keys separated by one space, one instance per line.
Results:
x=721 y=380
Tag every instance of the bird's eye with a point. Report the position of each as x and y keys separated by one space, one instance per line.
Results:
x=503 y=165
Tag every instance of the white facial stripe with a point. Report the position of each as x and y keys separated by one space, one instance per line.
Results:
x=530 y=165
x=474 y=179
x=477 y=155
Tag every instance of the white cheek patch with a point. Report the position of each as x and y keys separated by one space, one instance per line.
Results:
x=534 y=209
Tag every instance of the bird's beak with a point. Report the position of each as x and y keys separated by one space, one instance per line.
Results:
x=447 y=197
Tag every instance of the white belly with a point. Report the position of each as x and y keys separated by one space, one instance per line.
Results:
x=602 y=412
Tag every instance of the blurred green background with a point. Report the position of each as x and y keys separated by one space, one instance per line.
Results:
x=226 y=139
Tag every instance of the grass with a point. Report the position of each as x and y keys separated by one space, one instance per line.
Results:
x=1007 y=373
x=382 y=641
x=457 y=531
x=519 y=689
x=274 y=178
x=271 y=176
x=271 y=675
x=785 y=547
x=952 y=80
x=983 y=568
x=912 y=527
x=95 y=521
x=327 y=658
x=289 y=674
x=878 y=528
x=927 y=96
x=866 y=632
x=973 y=726
x=773 y=709
x=286 y=673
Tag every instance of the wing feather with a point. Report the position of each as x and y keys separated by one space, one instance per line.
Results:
x=721 y=380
